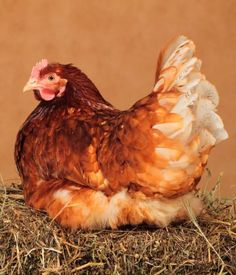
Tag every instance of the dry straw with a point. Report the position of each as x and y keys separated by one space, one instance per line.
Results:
x=31 y=244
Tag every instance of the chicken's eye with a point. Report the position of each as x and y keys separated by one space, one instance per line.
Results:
x=51 y=77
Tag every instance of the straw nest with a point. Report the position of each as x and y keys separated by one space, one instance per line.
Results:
x=30 y=243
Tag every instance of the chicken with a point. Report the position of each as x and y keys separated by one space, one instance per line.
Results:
x=90 y=166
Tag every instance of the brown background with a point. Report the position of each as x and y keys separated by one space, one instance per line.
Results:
x=116 y=44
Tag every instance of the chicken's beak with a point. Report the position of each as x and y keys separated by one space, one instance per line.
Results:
x=30 y=85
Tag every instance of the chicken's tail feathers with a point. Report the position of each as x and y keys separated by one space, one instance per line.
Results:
x=166 y=52
x=183 y=90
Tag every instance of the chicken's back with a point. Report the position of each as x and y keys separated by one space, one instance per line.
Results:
x=161 y=145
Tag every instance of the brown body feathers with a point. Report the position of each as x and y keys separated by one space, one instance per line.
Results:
x=90 y=165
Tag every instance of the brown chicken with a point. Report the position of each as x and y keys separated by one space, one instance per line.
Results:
x=91 y=166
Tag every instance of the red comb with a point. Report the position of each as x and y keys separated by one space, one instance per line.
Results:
x=38 y=67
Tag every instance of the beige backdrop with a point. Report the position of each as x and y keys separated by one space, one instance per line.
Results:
x=116 y=44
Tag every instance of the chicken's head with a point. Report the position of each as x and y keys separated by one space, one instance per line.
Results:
x=63 y=83
x=46 y=82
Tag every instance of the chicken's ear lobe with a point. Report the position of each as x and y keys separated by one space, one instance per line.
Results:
x=62 y=89
x=63 y=82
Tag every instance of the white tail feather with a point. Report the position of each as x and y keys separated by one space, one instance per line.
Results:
x=199 y=99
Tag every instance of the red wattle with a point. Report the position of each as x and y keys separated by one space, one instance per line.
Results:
x=47 y=94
